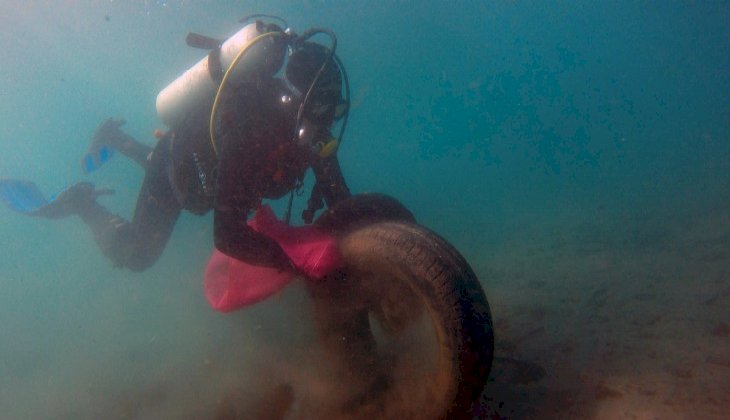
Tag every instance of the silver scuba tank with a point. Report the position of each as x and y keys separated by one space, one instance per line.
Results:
x=193 y=91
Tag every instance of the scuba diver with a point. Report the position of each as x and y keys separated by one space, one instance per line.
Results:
x=245 y=124
x=264 y=120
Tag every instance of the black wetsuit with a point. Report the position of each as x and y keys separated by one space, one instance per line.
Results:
x=256 y=158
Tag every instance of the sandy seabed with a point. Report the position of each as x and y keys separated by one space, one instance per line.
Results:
x=622 y=321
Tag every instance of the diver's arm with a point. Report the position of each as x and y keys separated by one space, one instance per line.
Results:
x=252 y=110
x=236 y=193
x=236 y=239
x=333 y=187
x=330 y=187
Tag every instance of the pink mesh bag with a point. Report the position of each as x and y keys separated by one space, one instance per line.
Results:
x=230 y=284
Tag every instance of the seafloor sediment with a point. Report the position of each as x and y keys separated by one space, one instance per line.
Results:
x=612 y=320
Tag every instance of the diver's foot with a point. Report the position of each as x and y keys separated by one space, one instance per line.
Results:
x=110 y=137
x=109 y=134
x=76 y=199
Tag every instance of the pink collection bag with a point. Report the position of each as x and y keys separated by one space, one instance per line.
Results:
x=230 y=284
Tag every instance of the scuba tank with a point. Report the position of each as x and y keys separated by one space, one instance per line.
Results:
x=193 y=92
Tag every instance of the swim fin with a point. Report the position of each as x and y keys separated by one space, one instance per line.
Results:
x=95 y=157
x=21 y=195
x=25 y=197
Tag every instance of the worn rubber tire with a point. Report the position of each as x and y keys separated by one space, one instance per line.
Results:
x=447 y=288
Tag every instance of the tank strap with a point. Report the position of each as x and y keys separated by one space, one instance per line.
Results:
x=215 y=67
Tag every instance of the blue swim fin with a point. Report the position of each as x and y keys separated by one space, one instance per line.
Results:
x=95 y=157
x=25 y=197
x=21 y=195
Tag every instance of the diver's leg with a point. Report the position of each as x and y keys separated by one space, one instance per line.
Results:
x=110 y=134
x=138 y=244
x=105 y=227
x=134 y=150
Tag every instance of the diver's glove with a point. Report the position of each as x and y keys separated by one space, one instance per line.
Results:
x=77 y=199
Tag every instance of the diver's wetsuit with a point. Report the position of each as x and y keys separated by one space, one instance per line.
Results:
x=256 y=159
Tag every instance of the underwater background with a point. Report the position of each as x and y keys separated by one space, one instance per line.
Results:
x=576 y=153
